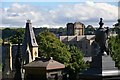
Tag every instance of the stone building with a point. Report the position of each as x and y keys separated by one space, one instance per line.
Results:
x=75 y=29
x=38 y=68
x=44 y=69
x=79 y=28
x=70 y=29
x=6 y=61
x=9 y=52
x=28 y=54
x=29 y=51
x=83 y=42
x=76 y=36
x=30 y=46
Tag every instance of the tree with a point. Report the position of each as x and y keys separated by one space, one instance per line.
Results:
x=114 y=44
x=76 y=62
x=18 y=32
x=50 y=46
x=7 y=32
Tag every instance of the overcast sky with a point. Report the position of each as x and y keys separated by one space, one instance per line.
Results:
x=57 y=14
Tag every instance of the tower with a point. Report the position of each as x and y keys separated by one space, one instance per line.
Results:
x=30 y=46
x=75 y=29
x=79 y=28
x=70 y=29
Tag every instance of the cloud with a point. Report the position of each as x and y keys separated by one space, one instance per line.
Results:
x=88 y=12
x=58 y=0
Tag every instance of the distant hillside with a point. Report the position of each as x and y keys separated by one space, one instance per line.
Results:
x=8 y=32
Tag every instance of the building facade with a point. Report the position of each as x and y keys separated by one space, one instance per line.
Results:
x=75 y=29
x=79 y=28
x=7 y=61
x=83 y=43
x=76 y=37
x=30 y=46
x=70 y=29
x=28 y=52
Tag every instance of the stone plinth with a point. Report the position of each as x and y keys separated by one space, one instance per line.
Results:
x=101 y=68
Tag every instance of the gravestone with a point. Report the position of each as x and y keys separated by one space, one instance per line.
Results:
x=102 y=66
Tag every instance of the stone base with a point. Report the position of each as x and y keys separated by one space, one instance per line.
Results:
x=101 y=68
x=97 y=74
x=103 y=62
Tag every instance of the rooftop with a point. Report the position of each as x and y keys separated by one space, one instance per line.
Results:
x=49 y=64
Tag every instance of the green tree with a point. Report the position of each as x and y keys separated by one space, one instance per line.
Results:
x=76 y=62
x=114 y=44
x=7 y=32
x=50 y=46
x=18 y=32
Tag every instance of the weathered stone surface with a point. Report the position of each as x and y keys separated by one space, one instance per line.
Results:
x=102 y=67
x=104 y=62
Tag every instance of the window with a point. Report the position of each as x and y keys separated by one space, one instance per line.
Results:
x=35 y=53
x=34 y=40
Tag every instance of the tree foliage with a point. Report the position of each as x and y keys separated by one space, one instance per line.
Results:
x=18 y=33
x=7 y=32
x=76 y=63
x=114 y=44
x=76 y=59
x=50 y=46
x=11 y=35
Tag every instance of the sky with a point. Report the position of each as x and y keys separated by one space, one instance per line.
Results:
x=54 y=14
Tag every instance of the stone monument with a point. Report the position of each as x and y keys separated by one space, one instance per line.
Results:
x=102 y=66
x=101 y=36
x=6 y=61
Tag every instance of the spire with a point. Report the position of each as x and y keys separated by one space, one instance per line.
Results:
x=29 y=35
x=29 y=41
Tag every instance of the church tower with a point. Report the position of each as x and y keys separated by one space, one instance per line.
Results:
x=75 y=29
x=70 y=29
x=30 y=46
x=79 y=28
